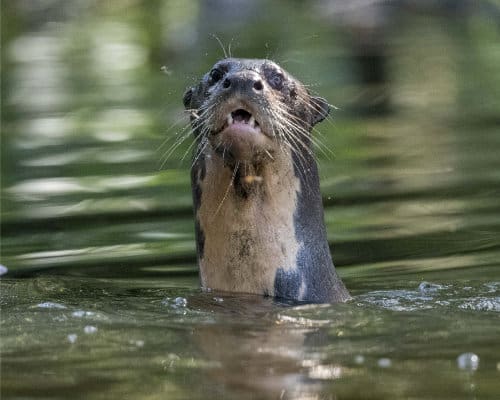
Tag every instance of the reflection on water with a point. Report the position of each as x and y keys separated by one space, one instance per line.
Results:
x=101 y=296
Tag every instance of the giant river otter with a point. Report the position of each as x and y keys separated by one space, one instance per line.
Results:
x=259 y=216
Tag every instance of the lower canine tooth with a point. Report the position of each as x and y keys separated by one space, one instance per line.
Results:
x=251 y=121
x=229 y=119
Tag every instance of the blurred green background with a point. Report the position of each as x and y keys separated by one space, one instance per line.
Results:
x=91 y=104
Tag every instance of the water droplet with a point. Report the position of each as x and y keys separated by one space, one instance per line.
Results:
x=468 y=361
x=384 y=362
x=180 y=302
x=428 y=287
x=72 y=337
x=165 y=301
x=3 y=270
x=89 y=329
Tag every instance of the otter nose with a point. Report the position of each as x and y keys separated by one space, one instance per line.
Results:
x=248 y=82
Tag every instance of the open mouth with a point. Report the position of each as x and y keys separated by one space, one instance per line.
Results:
x=241 y=118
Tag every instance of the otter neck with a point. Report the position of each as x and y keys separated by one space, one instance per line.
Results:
x=271 y=240
x=247 y=222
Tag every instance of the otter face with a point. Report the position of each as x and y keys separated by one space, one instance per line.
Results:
x=247 y=110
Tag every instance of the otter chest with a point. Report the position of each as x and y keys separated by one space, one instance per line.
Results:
x=247 y=240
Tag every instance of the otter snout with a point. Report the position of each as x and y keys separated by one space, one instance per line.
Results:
x=243 y=82
x=243 y=129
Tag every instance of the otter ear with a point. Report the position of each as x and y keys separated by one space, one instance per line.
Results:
x=320 y=109
x=187 y=98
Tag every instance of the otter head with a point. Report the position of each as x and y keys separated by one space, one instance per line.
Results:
x=247 y=110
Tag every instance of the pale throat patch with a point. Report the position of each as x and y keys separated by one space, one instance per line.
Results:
x=248 y=240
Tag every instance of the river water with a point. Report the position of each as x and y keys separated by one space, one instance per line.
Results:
x=101 y=299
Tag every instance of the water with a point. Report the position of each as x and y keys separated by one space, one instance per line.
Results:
x=103 y=338
x=99 y=290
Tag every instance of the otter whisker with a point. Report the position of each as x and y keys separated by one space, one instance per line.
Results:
x=231 y=183
x=188 y=149
x=325 y=150
x=297 y=132
x=313 y=107
x=187 y=125
x=199 y=151
x=288 y=129
x=229 y=47
x=201 y=113
x=278 y=130
x=293 y=142
x=291 y=139
x=301 y=158
x=172 y=149
x=220 y=43
x=301 y=166
x=175 y=137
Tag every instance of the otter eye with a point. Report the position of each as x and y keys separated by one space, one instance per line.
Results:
x=276 y=80
x=216 y=75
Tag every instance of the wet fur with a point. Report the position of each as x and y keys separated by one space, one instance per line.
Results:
x=266 y=236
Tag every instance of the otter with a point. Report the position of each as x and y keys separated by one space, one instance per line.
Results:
x=258 y=211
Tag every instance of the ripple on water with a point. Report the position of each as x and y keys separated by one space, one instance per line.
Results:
x=399 y=300
x=492 y=287
x=481 y=304
x=431 y=296
x=82 y=314
x=178 y=302
x=428 y=287
x=51 y=305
